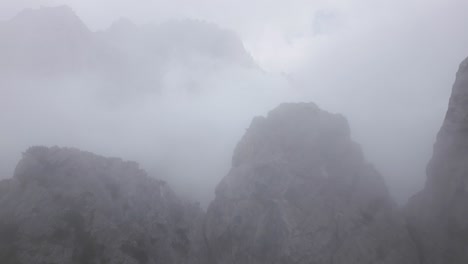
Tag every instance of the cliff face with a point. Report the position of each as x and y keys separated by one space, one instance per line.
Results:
x=438 y=215
x=300 y=191
x=69 y=206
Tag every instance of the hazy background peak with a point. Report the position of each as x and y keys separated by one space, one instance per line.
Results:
x=281 y=35
x=175 y=83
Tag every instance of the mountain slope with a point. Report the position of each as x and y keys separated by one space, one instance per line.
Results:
x=438 y=215
x=299 y=191
x=68 y=206
x=53 y=43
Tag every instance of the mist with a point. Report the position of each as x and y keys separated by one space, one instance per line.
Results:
x=221 y=132
x=175 y=88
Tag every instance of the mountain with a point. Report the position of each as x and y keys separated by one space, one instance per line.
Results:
x=52 y=43
x=45 y=41
x=148 y=56
x=438 y=215
x=178 y=39
x=68 y=206
x=300 y=191
x=126 y=89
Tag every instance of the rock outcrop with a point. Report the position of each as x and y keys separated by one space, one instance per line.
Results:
x=68 y=206
x=300 y=191
x=438 y=215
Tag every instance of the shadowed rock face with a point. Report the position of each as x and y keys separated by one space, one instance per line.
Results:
x=300 y=191
x=69 y=206
x=438 y=215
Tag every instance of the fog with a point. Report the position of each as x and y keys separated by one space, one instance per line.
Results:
x=175 y=84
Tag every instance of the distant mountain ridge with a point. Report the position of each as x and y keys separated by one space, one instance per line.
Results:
x=53 y=43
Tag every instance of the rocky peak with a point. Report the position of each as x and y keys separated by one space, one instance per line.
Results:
x=299 y=191
x=438 y=215
x=293 y=132
x=455 y=126
x=49 y=17
x=68 y=206
x=48 y=41
x=191 y=37
x=446 y=170
x=60 y=19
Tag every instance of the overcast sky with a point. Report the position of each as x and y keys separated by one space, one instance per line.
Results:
x=388 y=66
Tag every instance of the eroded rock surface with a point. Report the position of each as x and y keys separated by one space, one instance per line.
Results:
x=68 y=206
x=300 y=191
x=438 y=215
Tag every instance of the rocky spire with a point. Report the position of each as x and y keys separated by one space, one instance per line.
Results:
x=300 y=191
x=438 y=215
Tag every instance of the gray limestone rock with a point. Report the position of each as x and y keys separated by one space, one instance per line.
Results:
x=438 y=215
x=68 y=206
x=300 y=191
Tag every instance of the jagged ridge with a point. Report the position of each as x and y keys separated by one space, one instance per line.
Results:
x=68 y=206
